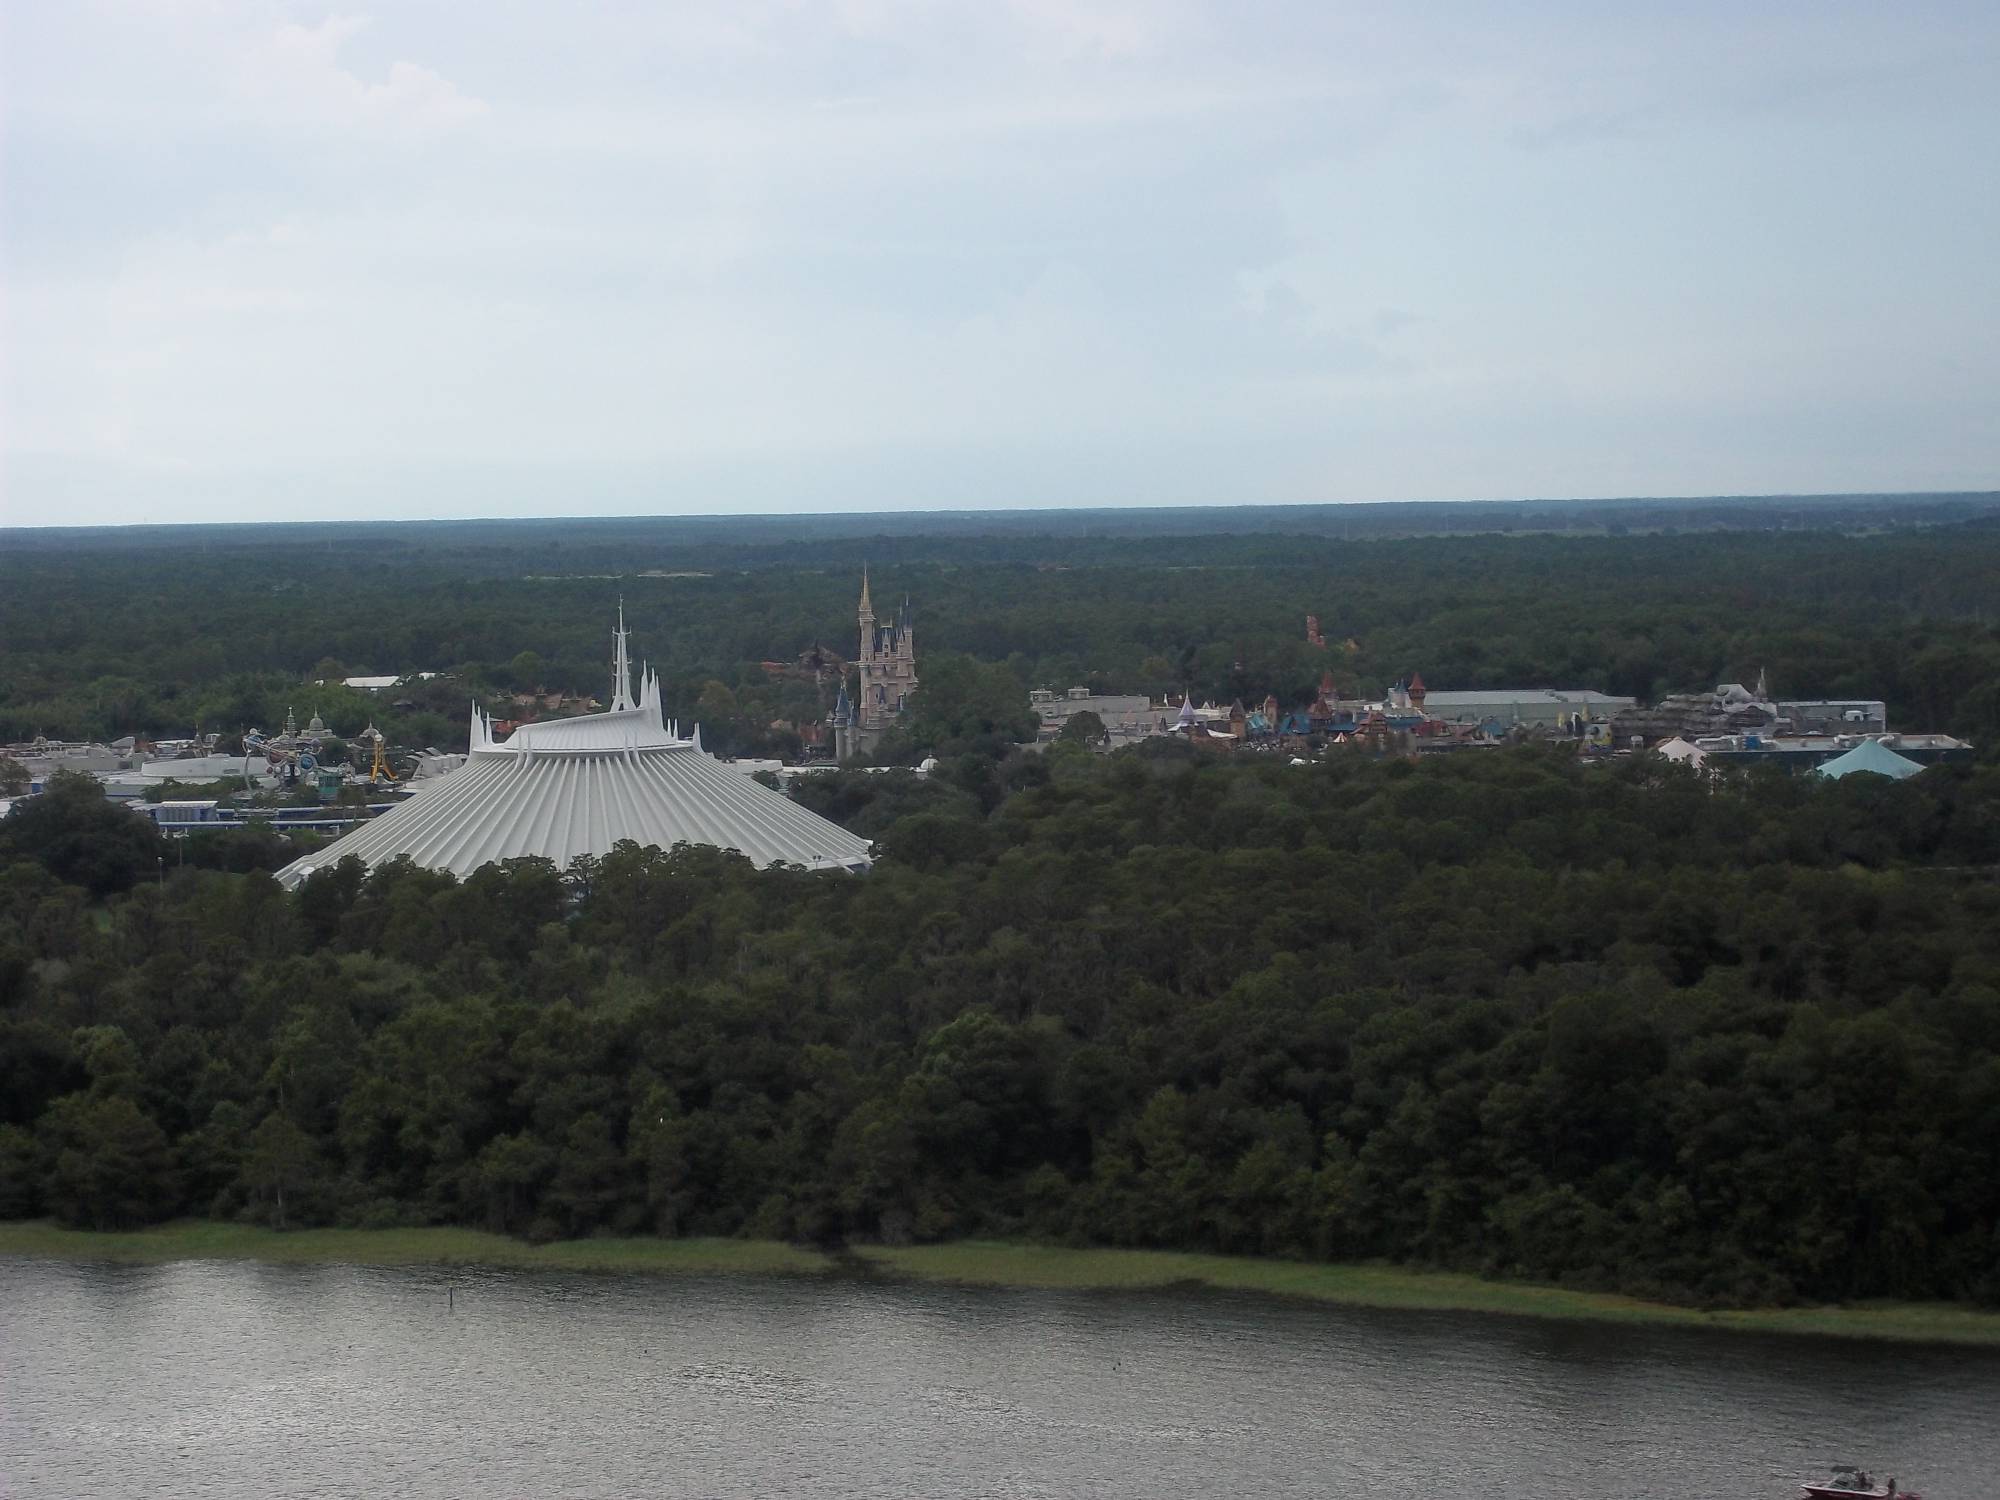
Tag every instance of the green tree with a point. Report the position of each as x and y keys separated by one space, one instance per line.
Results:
x=20 y=1174
x=1084 y=728
x=109 y=1164
x=281 y=1159
x=590 y=1176
x=82 y=837
x=963 y=704
x=508 y=1178
x=527 y=671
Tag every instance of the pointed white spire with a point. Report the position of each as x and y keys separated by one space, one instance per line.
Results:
x=697 y=738
x=621 y=664
x=482 y=731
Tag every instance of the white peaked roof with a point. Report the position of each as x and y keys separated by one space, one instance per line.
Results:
x=1681 y=751
x=570 y=787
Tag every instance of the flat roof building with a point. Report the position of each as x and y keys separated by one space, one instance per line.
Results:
x=1125 y=716
x=1522 y=705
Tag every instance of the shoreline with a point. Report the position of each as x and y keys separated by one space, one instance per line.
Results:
x=988 y=1264
x=204 y=1239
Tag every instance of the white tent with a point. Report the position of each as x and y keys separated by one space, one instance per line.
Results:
x=1681 y=752
x=570 y=787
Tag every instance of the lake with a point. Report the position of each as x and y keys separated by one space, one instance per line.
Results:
x=237 y=1379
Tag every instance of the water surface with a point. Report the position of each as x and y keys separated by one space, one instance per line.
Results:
x=245 y=1380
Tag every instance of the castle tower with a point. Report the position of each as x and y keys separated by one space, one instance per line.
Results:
x=888 y=663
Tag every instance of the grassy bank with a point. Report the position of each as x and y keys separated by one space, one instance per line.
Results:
x=975 y=1263
x=194 y=1239
x=985 y=1264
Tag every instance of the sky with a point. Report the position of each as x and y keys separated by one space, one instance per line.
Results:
x=265 y=260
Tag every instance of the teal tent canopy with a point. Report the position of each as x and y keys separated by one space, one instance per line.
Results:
x=1871 y=755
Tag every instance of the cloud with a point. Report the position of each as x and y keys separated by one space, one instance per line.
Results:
x=883 y=250
x=294 y=74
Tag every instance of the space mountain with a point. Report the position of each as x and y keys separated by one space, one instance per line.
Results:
x=565 y=788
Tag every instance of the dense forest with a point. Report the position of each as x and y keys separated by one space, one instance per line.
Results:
x=1617 y=1026
x=1731 y=1040
x=225 y=628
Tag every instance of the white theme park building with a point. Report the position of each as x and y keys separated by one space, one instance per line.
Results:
x=564 y=788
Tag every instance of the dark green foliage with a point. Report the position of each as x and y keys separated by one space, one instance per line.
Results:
x=962 y=706
x=1084 y=728
x=1618 y=1026
x=82 y=837
x=108 y=1163
x=158 y=631
x=1503 y=1012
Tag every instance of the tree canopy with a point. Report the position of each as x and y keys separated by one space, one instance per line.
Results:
x=225 y=628
x=1732 y=1042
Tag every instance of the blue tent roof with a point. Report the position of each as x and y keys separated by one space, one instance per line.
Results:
x=1871 y=755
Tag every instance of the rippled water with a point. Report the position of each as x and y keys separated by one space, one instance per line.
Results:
x=242 y=1380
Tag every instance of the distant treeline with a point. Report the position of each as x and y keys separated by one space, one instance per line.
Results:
x=1618 y=1027
x=227 y=627
x=747 y=539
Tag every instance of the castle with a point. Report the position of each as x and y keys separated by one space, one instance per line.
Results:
x=888 y=677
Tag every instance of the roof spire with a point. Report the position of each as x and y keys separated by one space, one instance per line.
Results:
x=621 y=664
x=867 y=610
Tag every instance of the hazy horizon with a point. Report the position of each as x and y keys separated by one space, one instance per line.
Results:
x=1861 y=508
x=277 y=261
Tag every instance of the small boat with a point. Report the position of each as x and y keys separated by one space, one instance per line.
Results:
x=1846 y=1482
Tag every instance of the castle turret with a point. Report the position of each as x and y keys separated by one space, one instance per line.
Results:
x=888 y=675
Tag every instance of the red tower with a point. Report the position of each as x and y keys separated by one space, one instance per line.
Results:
x=1328 y=696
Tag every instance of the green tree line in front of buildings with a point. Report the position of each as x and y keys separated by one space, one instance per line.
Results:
x=145 y=636
x=1735 y=1042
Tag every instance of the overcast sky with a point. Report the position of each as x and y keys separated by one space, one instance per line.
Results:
x=487 y=257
